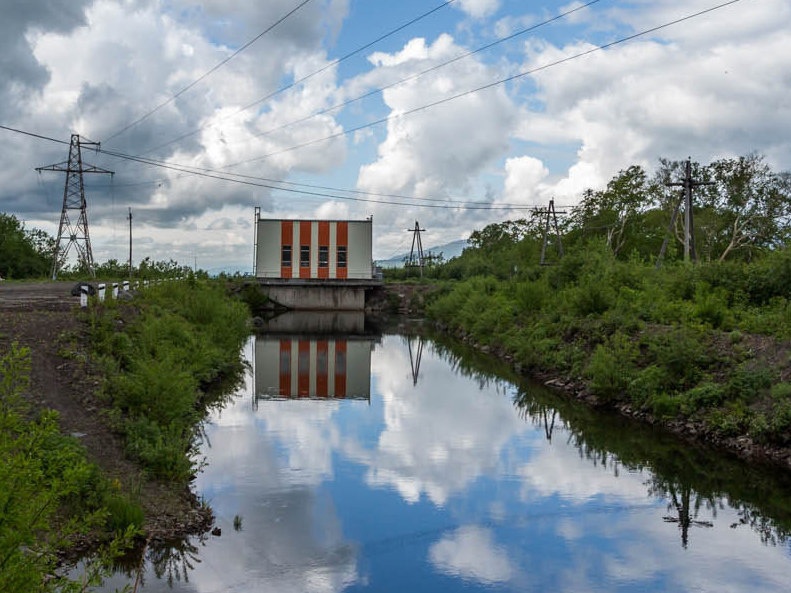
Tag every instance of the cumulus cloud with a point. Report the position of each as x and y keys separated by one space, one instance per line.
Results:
x=523 y=181
x=696 y=92
x=91 y=81
x=479 y=8
x=710 y=87
x=438 y=152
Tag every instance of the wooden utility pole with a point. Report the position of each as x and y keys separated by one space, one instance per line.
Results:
x=689 y=229
x=130 y=241
x=416 y=241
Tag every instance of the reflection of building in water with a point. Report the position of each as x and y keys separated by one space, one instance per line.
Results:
x=320 y=368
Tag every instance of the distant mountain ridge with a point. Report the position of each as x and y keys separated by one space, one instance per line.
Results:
x=448 y=251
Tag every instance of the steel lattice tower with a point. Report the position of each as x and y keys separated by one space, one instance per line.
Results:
x=74 y=232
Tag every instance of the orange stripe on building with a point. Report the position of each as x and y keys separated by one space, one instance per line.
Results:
x=285 y=368
x=324 y=249
x=340 y=368
x=343 y=241
x=322 y=364
x=304 y=241
x=286 y=238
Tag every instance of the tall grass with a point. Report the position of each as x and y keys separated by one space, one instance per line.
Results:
x=163 y=352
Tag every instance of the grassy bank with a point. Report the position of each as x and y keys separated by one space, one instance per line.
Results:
x=706 y=344
x=163 y=354
x=51 y=498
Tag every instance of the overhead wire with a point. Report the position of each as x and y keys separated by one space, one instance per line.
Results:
x=216 y=67
x=249 y=180
x=490 y=85
x=252 y=181
x=307 y=76
x=426 y=71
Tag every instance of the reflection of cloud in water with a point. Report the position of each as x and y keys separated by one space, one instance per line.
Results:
x=439 y=437
x=306 y=430
x=559 y=469
x=470 y=553
x=291 y=539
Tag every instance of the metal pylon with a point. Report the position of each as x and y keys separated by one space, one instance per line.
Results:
x=73 y=232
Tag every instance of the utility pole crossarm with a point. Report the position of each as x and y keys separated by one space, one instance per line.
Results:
x=688 y=184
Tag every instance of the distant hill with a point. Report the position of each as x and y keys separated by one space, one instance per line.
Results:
x=448 y=251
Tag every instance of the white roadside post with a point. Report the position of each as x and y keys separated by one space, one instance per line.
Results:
x=115 y=290
x=83 y=295
x=101 y=292
x=126 y=285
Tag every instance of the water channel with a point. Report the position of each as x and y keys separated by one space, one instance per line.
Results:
x=390 y=462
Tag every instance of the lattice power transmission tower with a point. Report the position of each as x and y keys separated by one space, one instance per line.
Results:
x=73 y=229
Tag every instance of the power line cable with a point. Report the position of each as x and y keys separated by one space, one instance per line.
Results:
x=426 y=71
x=496 y=83
x=252 y=182
x=33 y=135
x=207 y=73
x=308 y=76
x=404 y=114
x=187 y=170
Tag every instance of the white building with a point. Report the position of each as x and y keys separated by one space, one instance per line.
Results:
x=314 y=249
x=315 y=264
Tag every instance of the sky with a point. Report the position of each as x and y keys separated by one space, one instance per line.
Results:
x=454 y=113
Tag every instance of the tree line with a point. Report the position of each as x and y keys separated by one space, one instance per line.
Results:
x=27 y=254
x=742 y=209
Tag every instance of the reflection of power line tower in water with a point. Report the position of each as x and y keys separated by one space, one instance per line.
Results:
x=74 y=232
x=414 y=359
x=416 y=260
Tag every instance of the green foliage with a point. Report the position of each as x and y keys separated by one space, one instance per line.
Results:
x=49 y=494
x=611 y=367
x=162 y=356
x=23 y=253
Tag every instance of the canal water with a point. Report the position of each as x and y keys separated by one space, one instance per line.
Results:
x=387 y=462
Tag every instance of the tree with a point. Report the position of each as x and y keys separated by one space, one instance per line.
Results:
x=748 y=207
x=617 y=213
x=23 y=253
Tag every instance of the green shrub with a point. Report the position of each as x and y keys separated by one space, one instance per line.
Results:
x=665 y=405
x=711 y=307
x=746 y=383
x=123 y=513
x=705 y=395
x=647 y=383
x=781 y=391
x=681 y=353
x=611 y=367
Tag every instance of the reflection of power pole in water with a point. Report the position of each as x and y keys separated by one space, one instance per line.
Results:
x=549 y=425
x=684 y=518
x=414 y=360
